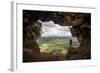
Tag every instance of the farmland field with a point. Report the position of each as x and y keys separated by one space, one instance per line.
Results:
x=54 y=44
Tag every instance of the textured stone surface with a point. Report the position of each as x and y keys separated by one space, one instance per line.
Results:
x=81 y=28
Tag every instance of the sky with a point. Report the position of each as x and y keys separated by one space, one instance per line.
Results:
x=50 y=29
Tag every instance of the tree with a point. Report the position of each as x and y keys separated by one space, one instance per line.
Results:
x=37 y=28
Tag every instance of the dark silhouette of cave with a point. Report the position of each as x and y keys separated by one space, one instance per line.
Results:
x=81 y=28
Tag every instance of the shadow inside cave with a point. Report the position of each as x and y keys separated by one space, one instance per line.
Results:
x=37 y=48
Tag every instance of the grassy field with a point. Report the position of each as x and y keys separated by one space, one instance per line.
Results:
x=54 y=46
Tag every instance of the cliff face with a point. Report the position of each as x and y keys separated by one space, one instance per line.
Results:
x=81 y=28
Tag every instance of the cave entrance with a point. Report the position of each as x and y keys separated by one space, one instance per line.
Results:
x=51 y=42
x=56 y=39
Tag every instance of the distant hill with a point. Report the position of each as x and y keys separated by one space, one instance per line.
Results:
x=53 y=38
x=65 y=40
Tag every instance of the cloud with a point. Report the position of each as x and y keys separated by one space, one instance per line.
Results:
x=50 y=29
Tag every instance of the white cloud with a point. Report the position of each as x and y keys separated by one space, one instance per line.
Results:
x=50 y=29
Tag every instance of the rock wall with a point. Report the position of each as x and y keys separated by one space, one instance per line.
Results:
x=81 y=28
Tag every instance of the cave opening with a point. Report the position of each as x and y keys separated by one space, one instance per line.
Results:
x=44 y=32
x=56 y=39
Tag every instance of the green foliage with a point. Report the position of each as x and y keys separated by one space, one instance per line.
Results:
x=36 y=28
